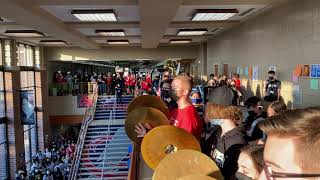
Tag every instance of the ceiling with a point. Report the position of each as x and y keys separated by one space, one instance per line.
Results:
x=147 y=23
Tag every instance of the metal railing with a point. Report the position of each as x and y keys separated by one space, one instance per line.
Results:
x=89 y=115
x=110 y=121
x=67 y=89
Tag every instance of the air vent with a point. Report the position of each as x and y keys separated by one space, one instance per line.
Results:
x=247 y=12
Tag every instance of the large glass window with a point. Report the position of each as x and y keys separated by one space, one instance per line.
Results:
x=7 y=53
x=28 y=99
x=2 y=102
x=25 y=55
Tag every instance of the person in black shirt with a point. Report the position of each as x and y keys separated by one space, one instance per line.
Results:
x=225 y=143
x=256 y=115
x=118 y=93
x=272 y=88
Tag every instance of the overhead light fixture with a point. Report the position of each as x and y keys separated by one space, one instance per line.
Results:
x=118 y=42
x=53 y=42
x=213 y=14
x=24 y=33
x=192 y=32
x=180 y=41
x=95 y=15
x=110 y=32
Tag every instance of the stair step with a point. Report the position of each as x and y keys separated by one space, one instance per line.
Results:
x=106 y=163
x=104 y=178
x=108 y=153
x=106 y=167
x=107 y=158
x=105 y=173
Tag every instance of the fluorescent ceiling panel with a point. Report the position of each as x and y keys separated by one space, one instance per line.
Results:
x=24 y=33
x=53 y=42
x=214 y=14
x=116 y=32
x=180 y=41
x=118 y=42
x=98 y=15
x=192 y=32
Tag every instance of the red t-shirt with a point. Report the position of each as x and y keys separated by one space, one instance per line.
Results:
x=238 y=84
x=189 y=120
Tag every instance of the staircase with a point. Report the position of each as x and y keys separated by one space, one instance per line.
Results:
x=105 y=151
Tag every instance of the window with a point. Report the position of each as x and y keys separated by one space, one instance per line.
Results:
x=27 y=83
x=2 y=102
x=25 y=55
x=37 y=57
x=7 y=53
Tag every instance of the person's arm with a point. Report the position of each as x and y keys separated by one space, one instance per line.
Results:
x=279 y=91
x=230 y=166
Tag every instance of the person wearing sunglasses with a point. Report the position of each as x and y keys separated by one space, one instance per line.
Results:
x=256 y=115
x=293 y=145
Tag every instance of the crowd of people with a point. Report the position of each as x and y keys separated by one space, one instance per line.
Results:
x=260 y=140
x=80 y=83
x=52 y=164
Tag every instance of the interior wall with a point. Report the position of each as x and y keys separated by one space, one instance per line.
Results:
x=121 y=53
x=283 y=37
x=64 y=106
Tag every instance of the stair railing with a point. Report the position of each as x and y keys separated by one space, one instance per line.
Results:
x=88 y=117
x=111 y=118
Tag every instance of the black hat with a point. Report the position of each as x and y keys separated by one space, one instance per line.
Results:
x=221 y=95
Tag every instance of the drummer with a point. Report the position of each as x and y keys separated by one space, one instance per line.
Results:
x=187 y=116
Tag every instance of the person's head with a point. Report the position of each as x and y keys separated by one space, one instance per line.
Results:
x=165 y=77
x=254 y=105
x=293 y=142
x=276 y=107
x=217 y=114
x=196 y=97
x=236 y=76
x=250 y=162
x=181 y=86
x=143 y=78
x=211 y=76
x=271 y=74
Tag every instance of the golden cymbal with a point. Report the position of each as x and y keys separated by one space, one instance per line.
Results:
x=143 y=115
x=163 y=140
x=148 y=101
x=186 y=162
x=197 y=177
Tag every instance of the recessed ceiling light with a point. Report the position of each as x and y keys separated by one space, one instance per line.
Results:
x=180 y=41
x=191 y=32
x=118 y=42
x=53 y=42
x=111 y=32
x=213 y=14
x=24 y=33
x=96 y=15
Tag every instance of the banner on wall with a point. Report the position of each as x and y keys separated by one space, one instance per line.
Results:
x=83 y=101
x=255 y=73
x=315 y=71
x=27 y=107
x=306 y=70
x=246 y=71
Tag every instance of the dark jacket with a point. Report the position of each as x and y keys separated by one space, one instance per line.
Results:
x=225 y=150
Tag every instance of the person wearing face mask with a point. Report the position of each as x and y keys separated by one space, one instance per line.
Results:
x=272 y=88
x=250 y=162
x=186 y=116
x=256 y=115
x=224 y=144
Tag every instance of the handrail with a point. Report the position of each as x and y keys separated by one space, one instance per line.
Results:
x=111 y=117
x=134 y=164
x=89 y=114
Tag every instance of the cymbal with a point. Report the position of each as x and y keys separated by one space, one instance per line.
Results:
x=186 y=162
x=163 y=140
x=197 y=177
x=148 y=101
x=143 y=115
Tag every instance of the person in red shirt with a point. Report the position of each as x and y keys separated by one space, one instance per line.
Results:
x=186 y=116
x=237 y=81
x=132 y=82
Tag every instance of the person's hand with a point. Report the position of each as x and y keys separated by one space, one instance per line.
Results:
x=141 y=129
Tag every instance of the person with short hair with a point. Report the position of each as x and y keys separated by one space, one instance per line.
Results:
x=187 y=117
x=293 y=145
x=272 y=87
x=276 y=107
x=224 y=145
x=256 y=115
x=250 y=162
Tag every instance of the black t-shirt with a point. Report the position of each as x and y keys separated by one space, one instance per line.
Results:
x=271 y=89
x=225 y=151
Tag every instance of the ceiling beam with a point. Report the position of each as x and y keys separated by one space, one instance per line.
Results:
x=85 y=2
x=11 y=25
x=24 y=12
x=180 y=24
x=155 y=17
x=226 y=2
